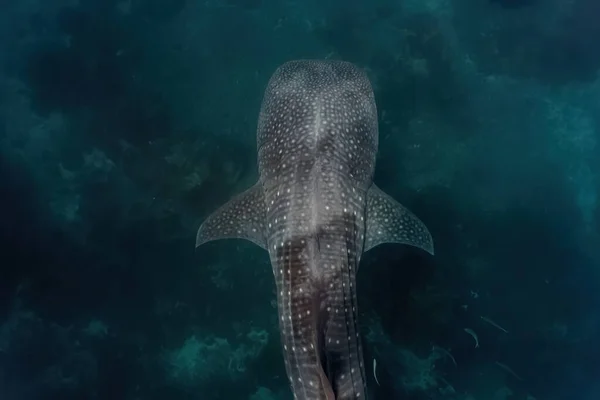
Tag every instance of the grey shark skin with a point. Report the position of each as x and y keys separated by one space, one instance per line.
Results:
x=316 y=210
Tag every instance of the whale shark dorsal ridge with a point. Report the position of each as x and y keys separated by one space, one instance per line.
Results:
x=390 y=222
x=242 y=217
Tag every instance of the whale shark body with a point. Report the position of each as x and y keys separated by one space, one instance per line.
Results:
x=316 y=210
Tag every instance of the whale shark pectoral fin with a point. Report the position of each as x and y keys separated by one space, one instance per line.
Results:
x=243 y=217
x=390 y=222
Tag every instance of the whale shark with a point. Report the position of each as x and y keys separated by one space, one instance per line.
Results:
x=316 y=210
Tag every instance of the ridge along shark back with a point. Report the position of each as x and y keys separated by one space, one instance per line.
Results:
x=316 y=210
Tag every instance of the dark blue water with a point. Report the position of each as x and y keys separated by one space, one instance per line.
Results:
x=123 y=124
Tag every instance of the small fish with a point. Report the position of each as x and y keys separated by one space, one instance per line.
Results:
x=446 y=353
x=508 y=369
x=492 y=323
x=472 y=333
x=375 y=371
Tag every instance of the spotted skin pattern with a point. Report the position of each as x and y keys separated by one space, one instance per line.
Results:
x=316 y=210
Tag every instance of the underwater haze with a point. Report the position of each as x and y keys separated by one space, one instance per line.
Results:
x=125 y=123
